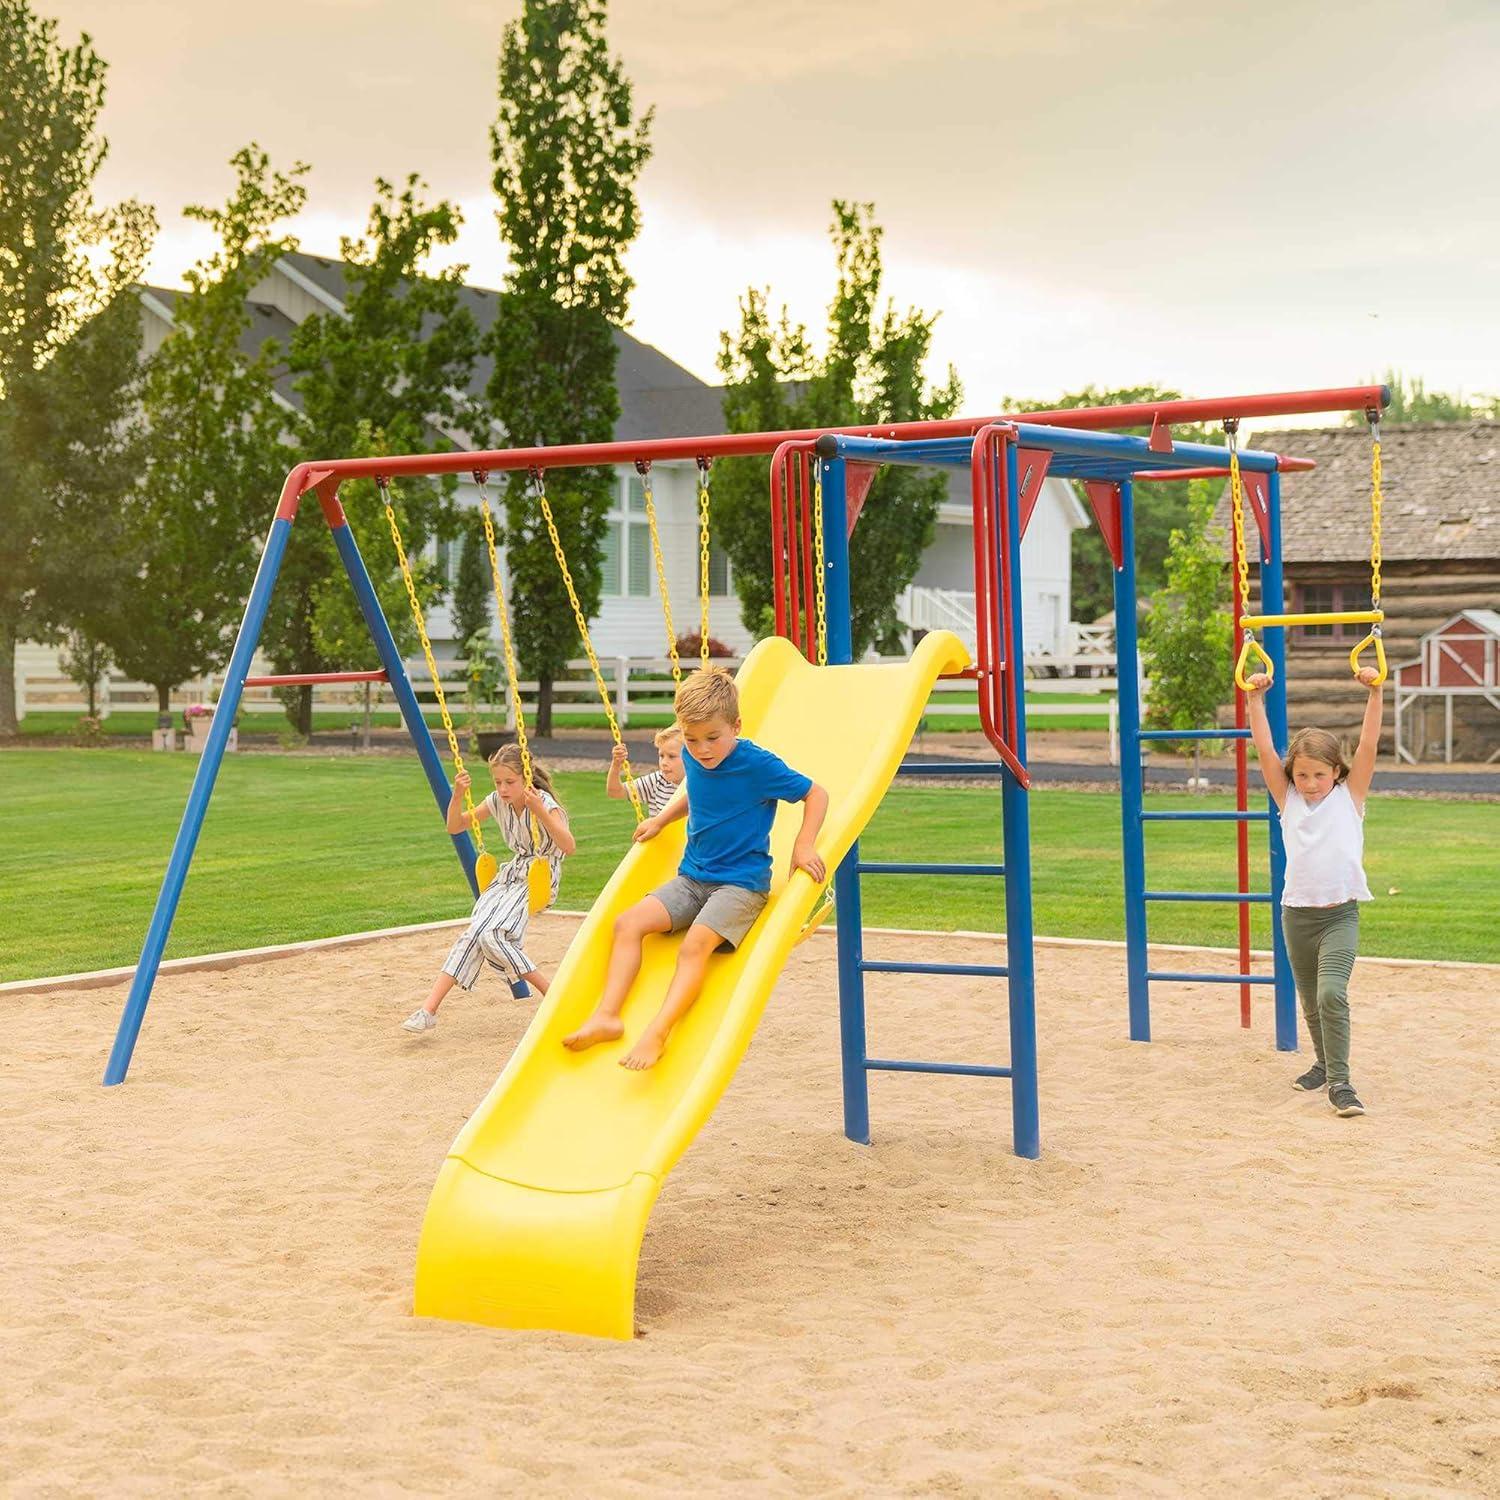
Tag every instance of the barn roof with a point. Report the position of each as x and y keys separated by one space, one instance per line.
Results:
x=1441 y=486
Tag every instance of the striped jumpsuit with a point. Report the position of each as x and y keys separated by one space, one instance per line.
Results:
x=497 y=929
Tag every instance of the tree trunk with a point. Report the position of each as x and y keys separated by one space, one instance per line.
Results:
x=8 y=722
x=93 y=697
x=163 y=696
x=365 y=739
x=304 y=710
x=543 y=727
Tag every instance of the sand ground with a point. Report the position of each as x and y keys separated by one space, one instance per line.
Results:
x=1207 y=1283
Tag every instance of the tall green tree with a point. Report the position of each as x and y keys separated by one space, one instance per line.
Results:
x=389 y=375
x=1159 y=508
x=1185 y=635
x=69 y=338
x=873 y=370
x=472 y=589
x=216 y=447
x=567 y=149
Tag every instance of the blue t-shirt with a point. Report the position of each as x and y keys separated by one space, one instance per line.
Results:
x=730 y=812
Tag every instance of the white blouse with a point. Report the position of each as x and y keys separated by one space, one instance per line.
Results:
x=1325 y=846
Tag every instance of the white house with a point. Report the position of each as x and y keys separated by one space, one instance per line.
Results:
x=659 y=398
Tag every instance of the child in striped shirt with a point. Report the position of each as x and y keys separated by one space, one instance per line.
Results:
x=658 y=787
x=533 y=823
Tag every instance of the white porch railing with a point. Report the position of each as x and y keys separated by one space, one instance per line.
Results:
x=637 y=685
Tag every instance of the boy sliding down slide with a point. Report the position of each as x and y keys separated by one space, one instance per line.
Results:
x=732 y=788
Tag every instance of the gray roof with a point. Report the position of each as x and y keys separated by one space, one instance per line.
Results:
x=658 y=397
x=1440 y=486
x=265 y=323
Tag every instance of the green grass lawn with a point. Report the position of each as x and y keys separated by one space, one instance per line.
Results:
x=308 y=846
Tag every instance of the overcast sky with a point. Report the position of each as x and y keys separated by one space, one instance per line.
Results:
x=1221 y=197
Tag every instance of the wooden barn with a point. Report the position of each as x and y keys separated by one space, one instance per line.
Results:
x=1441 y=546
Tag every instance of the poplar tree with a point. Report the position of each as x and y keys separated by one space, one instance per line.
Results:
x=389 y=374
x=215 y=450
x=567 y=149
x=872 y=371
x=69 y=341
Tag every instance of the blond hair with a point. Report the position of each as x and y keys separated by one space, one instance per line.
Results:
x=1317 y=744
x=708 y=693
x=662 y=737
x=509 y=756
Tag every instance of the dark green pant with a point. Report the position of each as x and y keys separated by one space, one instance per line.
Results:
x=1321 y=942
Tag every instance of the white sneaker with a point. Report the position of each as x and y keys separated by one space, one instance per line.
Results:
x=419 y=1020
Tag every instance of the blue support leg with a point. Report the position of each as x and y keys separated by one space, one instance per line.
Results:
x=1015 y=808
x=1132 y=788
x=197 y=803
x=852 y=1037
x=1273 y=601
x=406 y=698
x=846 y=899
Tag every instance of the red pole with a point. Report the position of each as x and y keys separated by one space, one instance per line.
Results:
x=740 y=444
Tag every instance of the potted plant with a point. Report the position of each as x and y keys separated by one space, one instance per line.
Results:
x=484 y=692
x=199 y=718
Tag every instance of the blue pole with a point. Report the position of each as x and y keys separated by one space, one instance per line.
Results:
x=1016 y=816
x=1132 y=788
x=197 y=803
x=406 y=698
x=846 y=896
x=1273 y=601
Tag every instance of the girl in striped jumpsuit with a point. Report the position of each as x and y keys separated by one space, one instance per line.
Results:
x=497 y=930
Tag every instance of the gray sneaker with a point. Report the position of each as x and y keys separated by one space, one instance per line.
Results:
x=1344 y=1100
x=1312 y=1081
x=418 y=1021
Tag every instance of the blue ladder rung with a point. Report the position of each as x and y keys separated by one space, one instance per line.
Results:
x=1235 y=896
x=973 y=1070
x=1174 y=974
x=951 y=768
x=1205 y=817
x=1192 y=734
x=913 y=869
x=883 y=966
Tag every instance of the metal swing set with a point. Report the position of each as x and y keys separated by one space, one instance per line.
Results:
x=819 y=481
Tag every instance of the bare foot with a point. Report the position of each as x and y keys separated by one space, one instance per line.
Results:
x=595 y=1030
x=646 y=1053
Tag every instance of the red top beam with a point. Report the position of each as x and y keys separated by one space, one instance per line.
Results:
x=1284 y=464
x=739 y=444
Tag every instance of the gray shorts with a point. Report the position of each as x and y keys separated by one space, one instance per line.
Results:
x=729 y=910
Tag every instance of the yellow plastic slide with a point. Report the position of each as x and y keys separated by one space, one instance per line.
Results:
x=538 y=1213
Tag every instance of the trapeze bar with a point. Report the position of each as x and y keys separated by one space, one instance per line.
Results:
x=1235 y=896
x=883 y=966
x=1205 y=817
x=295 y=679
x=1337 y=617
x=1192 y=734
x=1176 y=976
x=971 y=1070
x=903 y=869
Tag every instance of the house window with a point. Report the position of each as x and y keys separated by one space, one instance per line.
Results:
x=1324 y=599
x=718 y=572
x=628 y=564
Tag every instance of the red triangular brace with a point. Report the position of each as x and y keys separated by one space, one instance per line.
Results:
x=1032 y=465
x=1257 y=489
x=1104 y=499
x=857 y=481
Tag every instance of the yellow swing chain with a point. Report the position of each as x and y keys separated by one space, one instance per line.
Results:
x=703 y=545
x=539 y=488
x=1374 y=638
x=512 y=671
x=1249 y=646
x=643 y=467
x=384 y=486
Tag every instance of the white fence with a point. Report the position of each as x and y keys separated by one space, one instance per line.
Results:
x=636 y=686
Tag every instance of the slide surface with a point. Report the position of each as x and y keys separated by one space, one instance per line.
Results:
x=538 y=1213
